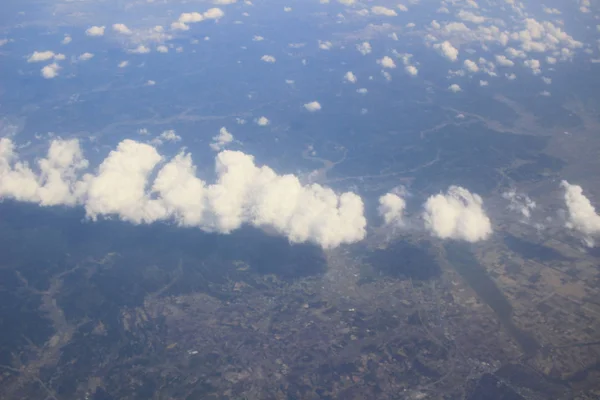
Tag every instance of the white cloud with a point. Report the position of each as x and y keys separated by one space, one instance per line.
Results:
x=50 y=71
x=214 y=13
x=39 y=56
x=224 y=2
x=85 y=56
x=447 y=50
x=391 y=209
x=325 y=45
x=470 y=17
x=582 y=215
x=268 y=59
x=194 y=17
x=386 y=62
x=402 y=7
x=362 y=91
x=162 y=48
x=122 y=29
x=454 y=88
x=221 y=140
x=380 y=10
x=242 y=194
x=502 y=61
x=483 y=83
x=140 y=49
x=534 y=65
x=258 y=38
x=519 y=202
x=458 y=214
x=123 y=64
x=66 y=40
x=554 y=11
x=95 y=31
x=312 y=106
x=411 y=70
x=263 y=121
x=471 y=66
x=350 y=77
x=364 y=48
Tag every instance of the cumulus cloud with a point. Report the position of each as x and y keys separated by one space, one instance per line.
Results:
x=242 y=193
x=364 y=48
x=221 y=140
x=411 y=70
x=182 y=23
x=85 y=56
x=263 y=121
x=312 y=106
x=268 y=59
x=503 y=61
x=391 y=209
x=39 y=56
x=50 y=71
x=166 y=136
x=454 y=88
x=582 y=215
x=471 y=66
x=350 y=77
x=95 y=31
x=380 y=10
x=386 y=62
x=458 y=214
x=122 y=29
x=325 y=45
x=519 y=202
x=447 y=50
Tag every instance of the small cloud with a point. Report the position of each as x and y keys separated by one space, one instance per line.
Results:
x=150 y=82
x=221 y=140
x=123 y=64
x=447 y=50
x=411 y=70
x=66 y=40
x=386 y=62
x=162 y=48
x=454 y=88
x=350 y=77
x=50 y=71
x=263 y=121
x=362 y=91
x=39 y=56
x=85 y=56
x=312 y=106
x=122 y=29
x=325 y=45
x=391 y=209
x=364 y=48
x=458 y=214
x=258 y=38
x=141 y=49
x=268 y=59
x=380 y=10
x=95 y=31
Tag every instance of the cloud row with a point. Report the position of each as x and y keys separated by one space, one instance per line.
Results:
x=243 y=193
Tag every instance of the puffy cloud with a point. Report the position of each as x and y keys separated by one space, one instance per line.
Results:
x=224 y=2
x=140 y=49
x=386 y=62
x=471 y=66
x=582 y=215
x=85 y=56
x=122 y=29
x=503 y=61
x=162 y=48
x=391 y=209
x=534 y=65
x=447 y=50
x=454 y=88
x=38 y=56
x=411 y=70
x=380 y=10
x=350 y=77
x=263 y=121
x=519 y=202
x=483 y=83
x=364 y=48
x=221 y=140
x=312 y=106
x=470 y=17
x=242 y=194
x=54 y=184
x=66 y=40
x=123 y=64
x=95 y=31
x=166 y=136
x=458 y=214
x=50 y=71
x=194 y=17
x=325 y=45
x=268 y=59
